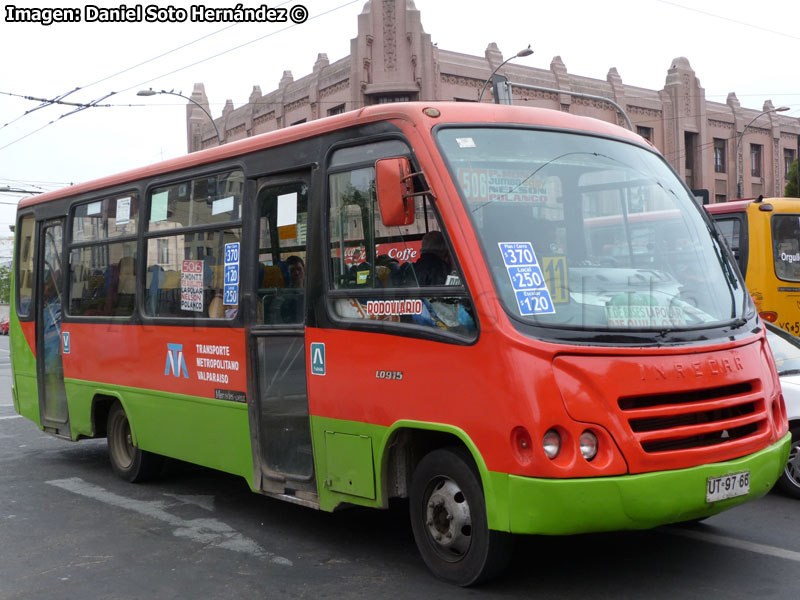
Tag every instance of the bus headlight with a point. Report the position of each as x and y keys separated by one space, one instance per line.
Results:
x=588 y=445
x=551 y=443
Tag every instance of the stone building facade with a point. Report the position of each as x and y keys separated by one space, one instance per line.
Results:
x=392 y=59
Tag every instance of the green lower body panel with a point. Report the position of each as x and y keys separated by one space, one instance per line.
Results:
x=351 y=455
x=26 y=397
x=561 y=507
x=203 y=431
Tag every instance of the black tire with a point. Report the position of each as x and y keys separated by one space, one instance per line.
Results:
x=789 y=482
x=128 y=461
x=448 y=518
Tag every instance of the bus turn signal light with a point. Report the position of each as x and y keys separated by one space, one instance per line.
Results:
x=769 y=315
x=522 y=445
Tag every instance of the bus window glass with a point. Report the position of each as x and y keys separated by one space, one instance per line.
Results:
x=404 y=263
x=25 y=245
x=280 y=277
x=368 y=152
x=731 y=230
x=583 y=232
x=107 y=218
x=185 y=274
x=786 y=246
x=103 y=280
x=202 y=201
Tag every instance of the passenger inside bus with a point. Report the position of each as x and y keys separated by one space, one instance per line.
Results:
x=297 y=272
x=281 y=296
x=385 y=268
x=544 y=234
x=433 y=265
x=291 y=309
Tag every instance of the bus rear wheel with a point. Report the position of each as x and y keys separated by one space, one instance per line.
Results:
x=128 y=460
x=448 y=518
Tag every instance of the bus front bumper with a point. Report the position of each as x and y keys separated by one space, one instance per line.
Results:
x=569 y=506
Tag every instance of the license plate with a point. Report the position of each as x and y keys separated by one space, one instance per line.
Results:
x=728 y=486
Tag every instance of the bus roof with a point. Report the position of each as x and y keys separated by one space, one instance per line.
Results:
x=741 y=205
x=450 y=112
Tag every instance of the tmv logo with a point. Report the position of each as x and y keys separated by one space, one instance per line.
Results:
x=176 y=364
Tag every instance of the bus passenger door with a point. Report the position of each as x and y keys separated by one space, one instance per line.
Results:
x=278 y=338
x=52 y=397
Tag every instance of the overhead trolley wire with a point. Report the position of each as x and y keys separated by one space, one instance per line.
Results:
x=95 y=102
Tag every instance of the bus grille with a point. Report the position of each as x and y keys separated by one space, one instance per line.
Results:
x=697 y=418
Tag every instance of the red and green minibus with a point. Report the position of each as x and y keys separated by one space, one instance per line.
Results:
x=470 y=306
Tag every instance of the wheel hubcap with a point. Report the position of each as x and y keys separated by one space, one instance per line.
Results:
x=792 y=468
x=123 y=442
x=448 y=519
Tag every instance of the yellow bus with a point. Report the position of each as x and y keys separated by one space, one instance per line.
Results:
x=764 y=236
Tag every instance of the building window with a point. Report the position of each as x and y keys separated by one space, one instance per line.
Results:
x=388 y=98
x=788 y=159
x=690 y=147
x=645 y=132
x=755 y=160
x=719 y=155
x=336 y=110
x=720 y=198
x=298 y=122
x=163 y=251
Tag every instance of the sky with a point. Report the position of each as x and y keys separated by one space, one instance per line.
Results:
x=732 y=45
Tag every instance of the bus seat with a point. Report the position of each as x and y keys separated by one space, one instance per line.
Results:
x=284 y=267
x=172 y=280
x=97 y=283
x=216 y=310
x=383 y=274
x=273 y=277
x=127 y=277
x=272 y=281
x=169 y=298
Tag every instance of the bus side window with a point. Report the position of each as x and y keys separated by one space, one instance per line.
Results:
x=103 y=257
x=185 y=269
x=731 y=233
x=281 y=267
x=24 y=267
x=396 y=274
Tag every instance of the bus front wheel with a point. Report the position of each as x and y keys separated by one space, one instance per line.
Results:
x=128 y=461
x=789 y=481
x=448 y=518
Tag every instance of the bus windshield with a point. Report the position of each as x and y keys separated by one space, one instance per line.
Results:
x=589 y=233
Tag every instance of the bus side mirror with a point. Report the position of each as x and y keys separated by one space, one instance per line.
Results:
x=395 y=191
